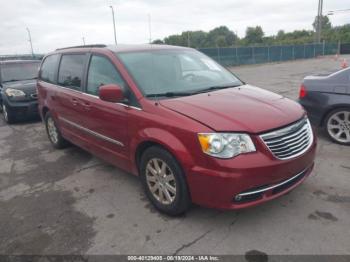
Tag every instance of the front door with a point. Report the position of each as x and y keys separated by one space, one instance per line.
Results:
x=106 y=122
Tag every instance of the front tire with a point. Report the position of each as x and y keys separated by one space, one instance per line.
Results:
x=8 y=115
x=164 y=181
x=337 y=126
x=54 y=133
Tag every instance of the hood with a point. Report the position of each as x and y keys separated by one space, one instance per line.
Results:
x=245 y=108
x=27 y=86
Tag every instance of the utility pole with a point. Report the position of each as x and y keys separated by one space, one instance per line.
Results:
x=188 y=39
x=83 y=38
x=319 y=21
x=115 y=34
x=149 y=29
x=30 y=41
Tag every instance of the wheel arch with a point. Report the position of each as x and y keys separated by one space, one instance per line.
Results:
x=161 y=138
x=142 y=147
x=330 y=109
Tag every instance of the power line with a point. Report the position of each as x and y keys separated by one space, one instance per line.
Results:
x=338 y=11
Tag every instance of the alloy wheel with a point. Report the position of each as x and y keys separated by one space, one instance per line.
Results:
x=52 y=130
x=338 y=126
x=161 y=181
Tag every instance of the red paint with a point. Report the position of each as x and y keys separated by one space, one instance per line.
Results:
x=302 y=91
x=111 y=93
x=174 y=124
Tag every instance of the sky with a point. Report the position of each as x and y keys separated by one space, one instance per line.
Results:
x=59 y=23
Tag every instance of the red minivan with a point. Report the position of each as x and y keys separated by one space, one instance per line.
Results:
x=192 y=130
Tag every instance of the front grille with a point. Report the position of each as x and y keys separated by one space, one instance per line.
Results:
x=290 y=141
x=34 y=96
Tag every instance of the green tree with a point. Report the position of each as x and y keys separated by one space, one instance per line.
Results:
x=223 y=35
x=220 y=41
x=197 y=39
x=219 y=36
x=337 y=33
x=325 y=23
x=280 y=34
x=175 y=40
x=254 y=35
x=158 y=42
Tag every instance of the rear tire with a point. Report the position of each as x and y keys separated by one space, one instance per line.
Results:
x=337 y=126
x=8 y=115
x=54 y=133
x=164 y=181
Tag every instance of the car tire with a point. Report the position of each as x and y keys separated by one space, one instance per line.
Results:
x=164 y=181
x=8 y=115
x=54 y=133
x=337 y=125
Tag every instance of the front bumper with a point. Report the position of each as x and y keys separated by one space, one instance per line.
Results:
x=248 y=180
x=22 y=108
x=315 y=112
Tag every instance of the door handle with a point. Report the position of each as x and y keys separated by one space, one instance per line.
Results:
x=87 y=106
x=74 y=102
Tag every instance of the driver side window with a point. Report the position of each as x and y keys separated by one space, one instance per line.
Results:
x=102 y=72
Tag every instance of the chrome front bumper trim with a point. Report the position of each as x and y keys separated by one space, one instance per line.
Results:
x=271 y=187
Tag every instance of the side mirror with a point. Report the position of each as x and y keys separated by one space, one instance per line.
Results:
x=111 y=93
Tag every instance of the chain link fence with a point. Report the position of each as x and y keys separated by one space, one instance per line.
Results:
x=234 y=56
x=21 y=57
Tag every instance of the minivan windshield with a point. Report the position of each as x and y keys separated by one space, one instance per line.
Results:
x=165 y=73
x=19 y=71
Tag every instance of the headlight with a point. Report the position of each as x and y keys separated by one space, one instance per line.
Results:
x=14 y=92
x=225 y=145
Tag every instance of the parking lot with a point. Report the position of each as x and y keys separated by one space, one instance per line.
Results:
x=69 y=202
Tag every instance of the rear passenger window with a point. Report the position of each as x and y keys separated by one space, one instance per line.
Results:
x=48 y=69
x=71 y=71
x=102 y=72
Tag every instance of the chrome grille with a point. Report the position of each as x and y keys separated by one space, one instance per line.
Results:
x=290 y=141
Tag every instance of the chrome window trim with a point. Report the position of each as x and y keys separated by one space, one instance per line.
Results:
x=122 y=104
x=274 y=186
x=82 y=93
x=287 y=129
x=98 y=135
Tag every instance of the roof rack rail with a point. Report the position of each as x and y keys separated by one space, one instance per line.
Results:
x=82 y=46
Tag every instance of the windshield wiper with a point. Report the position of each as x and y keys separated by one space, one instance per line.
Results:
x=174 y=94
x=212 y=88
x=15 y=80
x=12 y=80
x=170 y=94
